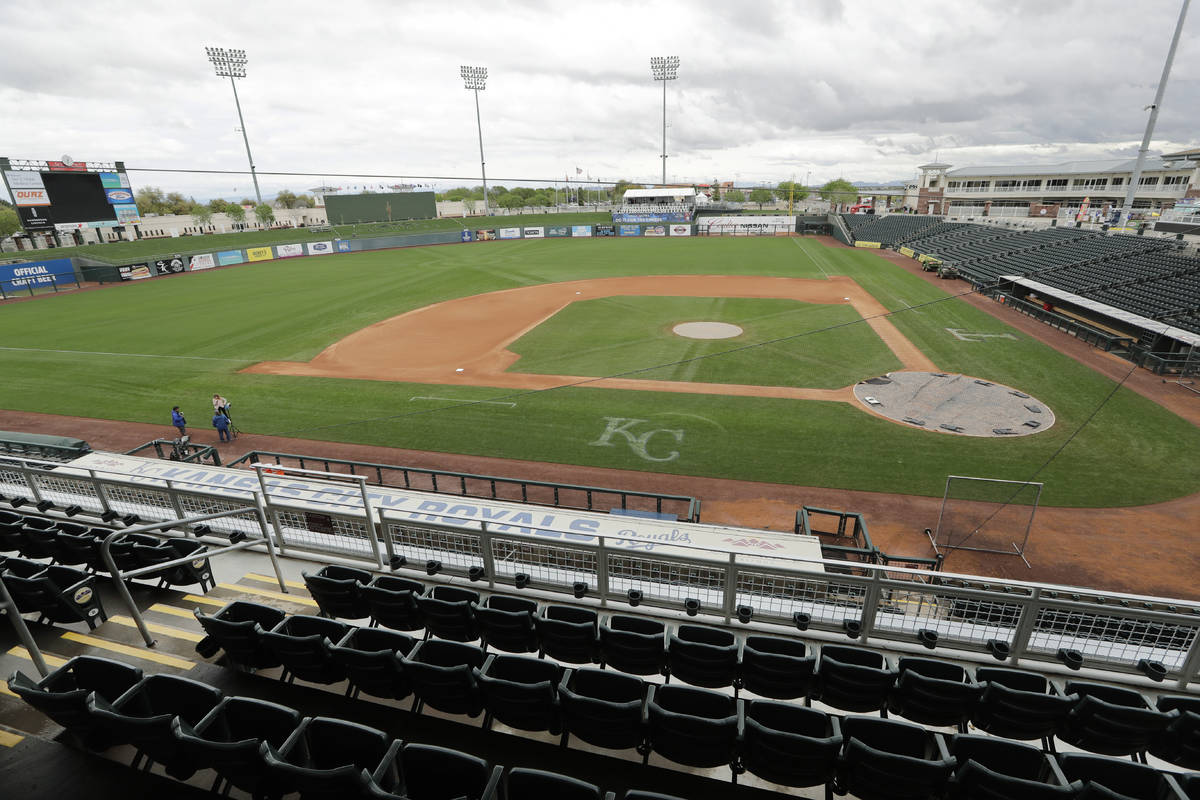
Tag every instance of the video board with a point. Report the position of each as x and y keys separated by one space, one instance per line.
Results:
x=68 y=195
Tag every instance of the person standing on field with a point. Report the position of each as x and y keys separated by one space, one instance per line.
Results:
x=220 y=405
x=178 y=421
x=221 y=423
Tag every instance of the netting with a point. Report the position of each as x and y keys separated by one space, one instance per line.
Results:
x=986 y=514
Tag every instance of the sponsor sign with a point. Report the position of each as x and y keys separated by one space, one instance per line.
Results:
x=749 y=225
x=485 y=236
x=21 y=179
x=289 y=250
x=227 y=257
x=14 y=277
x=320 y=248
x=925 y=257
x=103 y=223
x=558 y=230
x=534 y=233
x=259 y=254
x=665 y=217
x=35 y=218
x=83 y=595
x=343 y=245
x=119 y=196
x=581 y=230
x=907 y=251
x=870 y=245
x=31 y=197
x=136 y=272
x=205 y=261
x=465 y=236
x=128 y=214
x=169 y=266
x=67 y=227
x=606 y=230
x=655 y=230
x=510 y=233
x=110 y=180
x=631 y=230
x=681 y=230
x=74 y=166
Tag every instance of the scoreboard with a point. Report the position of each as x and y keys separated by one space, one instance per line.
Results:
x=69 y=195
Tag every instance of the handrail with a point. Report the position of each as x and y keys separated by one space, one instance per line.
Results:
x=9 y=607
x=692 y=503
x=185 y=452
x=120 y=577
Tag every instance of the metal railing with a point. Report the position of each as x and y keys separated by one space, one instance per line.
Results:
x=886 y=605
x=465 y=484
x=177 y=450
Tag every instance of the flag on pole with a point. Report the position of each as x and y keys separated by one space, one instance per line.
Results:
x=578 y=171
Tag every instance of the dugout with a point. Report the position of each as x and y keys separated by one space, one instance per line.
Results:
x=40 y=445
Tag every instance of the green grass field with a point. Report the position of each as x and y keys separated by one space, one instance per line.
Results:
x=133 y=351
x=147 y=249
x=567 y=343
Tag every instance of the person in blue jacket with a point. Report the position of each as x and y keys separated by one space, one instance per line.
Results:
x=178 y=421
x=221 y=423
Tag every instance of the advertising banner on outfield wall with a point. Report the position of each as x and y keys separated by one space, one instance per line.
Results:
x=205 y=261
x=534 y=233
x=655 y=230
x=466 y=236
x=343 y=245
x=510 y=233
x=581 y=230
x=907 y=251
x=227 y=257
x=135 y=272
x=606 y=230
x=631 y=230
x=870 y=245
x=17 y=277
x=558 y=231
x=289 y=250
x=168 y=266
x=748 y=225
x=259 y=254
x=320 y=248
x=681 y=230
x=666 y=217
x=485 y=236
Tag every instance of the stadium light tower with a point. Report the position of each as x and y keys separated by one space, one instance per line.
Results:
x=664 y=68
x=475 y=79
x=232 y=64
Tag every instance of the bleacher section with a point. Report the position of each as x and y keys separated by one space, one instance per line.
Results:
x=887 y=230
x=654 y=208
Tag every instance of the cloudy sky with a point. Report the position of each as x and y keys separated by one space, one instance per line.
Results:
x=767 y=90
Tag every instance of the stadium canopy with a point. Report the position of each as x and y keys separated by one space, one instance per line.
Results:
x=649 y=194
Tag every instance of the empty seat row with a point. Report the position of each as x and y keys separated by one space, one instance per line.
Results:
x=461 y=678
x=70 y=544
x=55 y=593
x=268 y=749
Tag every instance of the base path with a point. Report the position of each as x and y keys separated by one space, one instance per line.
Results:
x=465 y=341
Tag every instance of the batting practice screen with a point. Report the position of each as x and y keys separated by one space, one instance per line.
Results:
x=349 y=209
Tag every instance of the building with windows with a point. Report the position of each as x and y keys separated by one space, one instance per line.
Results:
x=1055 y=190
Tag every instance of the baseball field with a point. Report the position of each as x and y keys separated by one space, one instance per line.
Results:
x=563 y=351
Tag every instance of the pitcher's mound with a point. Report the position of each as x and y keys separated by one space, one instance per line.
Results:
x=959 y=404
x=706 y=330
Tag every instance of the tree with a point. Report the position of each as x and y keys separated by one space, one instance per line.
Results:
x=149 y=200
x=202 y=215
x=305 y=201
x=760 y=196
x=176 y=203
x=286 y=199
x=264 y=213
x=9 y=222
x=838 y=191
x=716 y=190
x=735 y=196
x=791 y=191
x=235 y=212
x=620 y=187
x=510 y=200
x=218 y=205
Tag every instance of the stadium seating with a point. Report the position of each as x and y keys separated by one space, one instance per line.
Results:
x=237 y=630
x=338 y=591
x=55 y=593
x=62 y=695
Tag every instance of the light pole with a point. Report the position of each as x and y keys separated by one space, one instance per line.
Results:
x=232 y=64
x=664 y=68
x=475 y=79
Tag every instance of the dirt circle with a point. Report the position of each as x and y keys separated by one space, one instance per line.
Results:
x=956 y=404
x=707 y=330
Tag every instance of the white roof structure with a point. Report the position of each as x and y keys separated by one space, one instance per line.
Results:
x=1153 y=164
x=643 y=193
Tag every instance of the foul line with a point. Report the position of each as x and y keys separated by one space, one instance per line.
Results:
x=462 y=400
x=127 y=355
x=810 y=257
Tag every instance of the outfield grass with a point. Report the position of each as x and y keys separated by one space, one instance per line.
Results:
x=137 y=349
x=147 y=249
x=637 y=335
